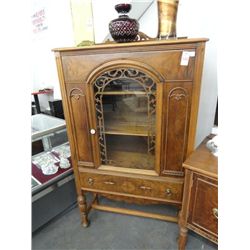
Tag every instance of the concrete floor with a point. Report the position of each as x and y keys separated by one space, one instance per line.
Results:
x=114 y=231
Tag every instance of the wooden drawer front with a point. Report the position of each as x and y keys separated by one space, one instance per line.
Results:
x=78 y=67
x=204 y=202
x=141 y=187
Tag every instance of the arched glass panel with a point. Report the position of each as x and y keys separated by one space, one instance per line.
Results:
x=125 y=103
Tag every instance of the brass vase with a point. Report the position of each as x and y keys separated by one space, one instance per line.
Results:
x=167 y=14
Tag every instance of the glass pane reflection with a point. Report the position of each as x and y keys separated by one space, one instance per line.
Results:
x=125 y=103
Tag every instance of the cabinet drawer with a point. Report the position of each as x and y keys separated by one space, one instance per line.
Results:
x=170 y=190
x=168 y=63
x=204 y=204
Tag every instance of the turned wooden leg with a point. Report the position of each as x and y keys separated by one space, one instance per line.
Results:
x=83 y=209
x=182 y=238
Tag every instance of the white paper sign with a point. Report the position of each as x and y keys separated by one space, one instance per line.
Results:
x=185 y=57
x=39 y=21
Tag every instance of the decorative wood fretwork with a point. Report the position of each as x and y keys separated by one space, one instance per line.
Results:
x=116 y=82
x=142 y=37
x=173 y=173
x=124 y=73
x=101 y=127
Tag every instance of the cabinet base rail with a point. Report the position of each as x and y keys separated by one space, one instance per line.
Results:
x=135 y=213
x=95 y=205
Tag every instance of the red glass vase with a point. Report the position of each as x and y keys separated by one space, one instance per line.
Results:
x=123 y=29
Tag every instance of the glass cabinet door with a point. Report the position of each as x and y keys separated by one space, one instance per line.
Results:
x=125 y=105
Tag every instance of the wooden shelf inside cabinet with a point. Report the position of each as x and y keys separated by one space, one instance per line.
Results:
x=129 y=152
x=135 y=160
x=126 y=124
x=121 y=128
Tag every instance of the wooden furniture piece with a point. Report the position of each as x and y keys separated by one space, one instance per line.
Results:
x=131 y=112
x=200 y=197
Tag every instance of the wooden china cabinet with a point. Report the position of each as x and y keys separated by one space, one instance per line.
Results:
x=131 y=113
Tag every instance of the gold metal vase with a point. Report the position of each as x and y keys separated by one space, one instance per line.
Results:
x=167 y=14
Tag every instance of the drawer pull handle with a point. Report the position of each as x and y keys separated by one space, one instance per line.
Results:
x=145 y=188
x=90 y=181
x=168 y=192
x=109 y=182
x=215 y=213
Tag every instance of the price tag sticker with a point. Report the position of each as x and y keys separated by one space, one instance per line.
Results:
x=185 y=57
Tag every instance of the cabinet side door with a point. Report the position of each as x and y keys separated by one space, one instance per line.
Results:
x=203 y=213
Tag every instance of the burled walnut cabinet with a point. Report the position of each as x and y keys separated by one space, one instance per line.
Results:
x=131 y=113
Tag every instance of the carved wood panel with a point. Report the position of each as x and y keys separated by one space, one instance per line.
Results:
x=204 y=202
x=79 y=116
x=177 y=100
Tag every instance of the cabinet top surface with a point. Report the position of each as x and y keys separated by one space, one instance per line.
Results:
x=203 y=161
x=133 y=44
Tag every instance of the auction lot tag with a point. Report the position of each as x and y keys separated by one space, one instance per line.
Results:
x=185 y=57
